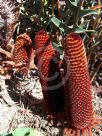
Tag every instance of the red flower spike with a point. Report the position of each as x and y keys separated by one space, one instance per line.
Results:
x=23 y=51
x=78 y=100
x=49 y=72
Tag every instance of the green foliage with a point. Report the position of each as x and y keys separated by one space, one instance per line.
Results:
x=24 y=132
x=82 y=17
x=64 y=28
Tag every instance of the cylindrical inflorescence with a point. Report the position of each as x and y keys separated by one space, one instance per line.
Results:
x=49 y=72
x=78 y=100
x=22 y=51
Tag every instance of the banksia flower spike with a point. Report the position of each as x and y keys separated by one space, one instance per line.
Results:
x=78 y=101
x=49 y=72
x=22 y=53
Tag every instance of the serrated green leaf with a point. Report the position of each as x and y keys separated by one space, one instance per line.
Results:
x=59 y=50
x=66 y=29
x=60 y=25
x=86 y=12
x=79 y=30
x=22 y=131
x=72 y=5
x=74 y=2
x=82 y=25
x=6 y=134
x=35 y=133
x=57 y=47
x=45 y=2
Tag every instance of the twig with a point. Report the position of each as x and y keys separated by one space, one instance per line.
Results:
x=10 y=124
x=52 y=7
x=99 y=5
x=8 y=54
x=77 y=14
x=60 y=3
x=96 y=71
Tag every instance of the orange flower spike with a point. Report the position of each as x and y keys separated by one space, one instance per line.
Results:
x=78 y=100
x=49 y=73
x=23 y=51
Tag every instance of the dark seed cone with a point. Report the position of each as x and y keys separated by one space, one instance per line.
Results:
x=49 y=72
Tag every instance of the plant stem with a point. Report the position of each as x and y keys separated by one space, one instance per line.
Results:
x=99 y=3
x=96 y=71
x=77 y=14
x=52 y=7
x=8 y=54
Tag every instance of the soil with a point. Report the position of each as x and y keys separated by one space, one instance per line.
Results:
x=21 y=105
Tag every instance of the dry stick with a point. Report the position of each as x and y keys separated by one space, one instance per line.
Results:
x=59 y=6
x=32 y=61
x=95 y=72
x=8 y=54
x=21 y=3
x=11 y=122
x=97 y=19
x=100 y=31
x=99 y=4
x=92 y=48
x=52 y=7
x=96 y=7
x=76 y=18
x=60 y=3
x=13 y=66
x=94 y=26
x=12 y=63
